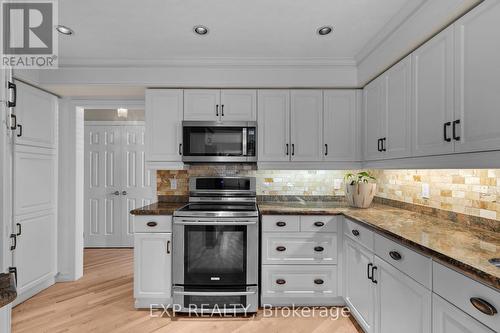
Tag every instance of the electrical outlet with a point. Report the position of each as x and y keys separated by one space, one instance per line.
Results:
x=337 y=183
x=426 y=190
x=173 y=184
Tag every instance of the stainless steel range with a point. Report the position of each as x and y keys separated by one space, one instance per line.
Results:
x=215 y=249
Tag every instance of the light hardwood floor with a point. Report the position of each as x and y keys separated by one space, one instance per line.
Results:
x=102 y=301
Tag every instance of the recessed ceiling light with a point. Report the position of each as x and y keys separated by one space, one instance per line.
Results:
x=200 y=30
x=324 y=30
x=65 y=30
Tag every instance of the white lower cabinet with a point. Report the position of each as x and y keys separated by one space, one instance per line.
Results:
x=152 y=269
x=447 y=318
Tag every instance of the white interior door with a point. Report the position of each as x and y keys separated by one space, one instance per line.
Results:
x=116 y=181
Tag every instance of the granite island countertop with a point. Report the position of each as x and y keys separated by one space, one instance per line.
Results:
x=464 y=248
x=8 y=291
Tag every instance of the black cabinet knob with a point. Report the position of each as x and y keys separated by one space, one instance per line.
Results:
x=395 y=255
x=280 y=248
x=355 y=232
x=318 y=281
x=280 y=281
x=281 y=224
x=319 y=223
x=152 y=224
x=483 y=306
x=318 y=248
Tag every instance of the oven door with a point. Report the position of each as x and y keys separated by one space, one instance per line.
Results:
x=215 y=253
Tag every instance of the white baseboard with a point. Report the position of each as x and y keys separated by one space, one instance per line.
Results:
x=32 y=291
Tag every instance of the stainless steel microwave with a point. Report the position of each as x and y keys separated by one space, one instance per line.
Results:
x=210 y=141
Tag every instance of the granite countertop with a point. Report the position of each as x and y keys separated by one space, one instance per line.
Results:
x=465 y=248
x=8 y=291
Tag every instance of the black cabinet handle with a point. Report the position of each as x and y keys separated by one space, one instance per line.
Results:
x=13 y=246
x=13 y=122
x=445 y=131
x=374 y=268
x=368 y=270
x=217 y=110
x=326 y=149
x=319 y=248
x=319 y=223
x=180 y=148
x=355 y=232
x=293 y=149
x=384 y=140
x=222 y=110
x=152 y=224
x=168 y=247
x=483 y=306
x=19 y=229
x=13 y=270
x=281 y=224
x=280 y=248
x=287 y=149
x=20 y=134
x=11 y=104
x=455 y=136
x=395 y=255
x=318 y=281
x=280 y=281
x=378 y=145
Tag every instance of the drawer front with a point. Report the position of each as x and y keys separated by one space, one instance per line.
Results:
x=319 y=223
x=458 y=289
x=299 y=248
x=152 y=223
x=280 y=223
x=358 y=233
x=406 y=260
x=300 y=281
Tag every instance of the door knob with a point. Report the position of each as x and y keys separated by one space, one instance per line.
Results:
x=116 y=193
x=124 y=193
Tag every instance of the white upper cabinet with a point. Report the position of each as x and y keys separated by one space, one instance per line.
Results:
x=238 y=105
x=340 y=125
x=274 y=125
x=396 y=141
x=477 y=84
x=164 y=125
x=433 y=104
x=375 y=106
x=220 y=105
x=306 y=125
x=202 y=104
x=36 y=113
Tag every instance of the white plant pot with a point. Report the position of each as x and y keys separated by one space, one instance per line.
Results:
x=360 y=195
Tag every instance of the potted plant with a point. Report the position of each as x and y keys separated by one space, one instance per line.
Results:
x=360 y=188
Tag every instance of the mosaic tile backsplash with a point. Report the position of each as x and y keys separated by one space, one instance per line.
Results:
x=470 y=191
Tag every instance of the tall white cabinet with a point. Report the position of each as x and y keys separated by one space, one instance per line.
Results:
x=34 y=190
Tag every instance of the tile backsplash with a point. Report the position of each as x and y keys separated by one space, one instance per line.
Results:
x=468 y=191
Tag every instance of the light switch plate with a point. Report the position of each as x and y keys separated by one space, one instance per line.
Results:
x=426 y=190
x=173 y=184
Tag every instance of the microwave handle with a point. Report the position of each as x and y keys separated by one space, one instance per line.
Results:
x=244 y=148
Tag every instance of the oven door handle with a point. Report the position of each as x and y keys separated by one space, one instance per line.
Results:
x=201 y=223
x=215 y=293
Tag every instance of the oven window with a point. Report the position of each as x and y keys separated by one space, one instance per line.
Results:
x=213 y=141
x=215 y=255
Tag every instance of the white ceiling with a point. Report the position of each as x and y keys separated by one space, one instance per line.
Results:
x=157 y=32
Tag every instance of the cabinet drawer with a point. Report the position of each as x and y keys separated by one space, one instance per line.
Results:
x=281 y=223
x=406 y=260
x=319 y=223
x=300 y=281
x=459 y=290
x=358 y=233
x=299 y=248
x=152 y=223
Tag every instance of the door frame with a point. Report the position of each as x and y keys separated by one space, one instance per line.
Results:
x=71 y=179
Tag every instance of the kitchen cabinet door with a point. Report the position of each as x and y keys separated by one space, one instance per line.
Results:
x=446 y=318
x=202 y=104
x=36 y=113
x=238 y=105
x=432 y=103
x=164 y=112
x=359 y=290
x=306 y=125
x=375 y=107
x=340 y=125
x=397 y=121
x=401 y=303
x=477 y=50
x=274 y=126
x=153 y=265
